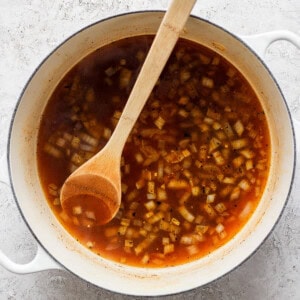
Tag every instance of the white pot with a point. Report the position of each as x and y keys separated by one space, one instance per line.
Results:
x=62 y=251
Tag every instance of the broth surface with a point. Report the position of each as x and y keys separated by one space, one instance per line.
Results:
x=193 y=168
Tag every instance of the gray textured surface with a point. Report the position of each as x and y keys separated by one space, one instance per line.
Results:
x=29 y=29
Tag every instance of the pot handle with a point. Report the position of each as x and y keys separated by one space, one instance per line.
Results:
x=42 y=260
x=260 y=43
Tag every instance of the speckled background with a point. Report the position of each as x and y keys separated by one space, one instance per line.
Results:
x=30 y=29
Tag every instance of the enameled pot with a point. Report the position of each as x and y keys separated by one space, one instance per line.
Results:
x=57 y=248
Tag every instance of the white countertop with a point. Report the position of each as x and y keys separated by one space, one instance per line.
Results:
x=30 y=29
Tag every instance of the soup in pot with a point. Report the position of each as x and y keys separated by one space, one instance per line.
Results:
x=193 y=168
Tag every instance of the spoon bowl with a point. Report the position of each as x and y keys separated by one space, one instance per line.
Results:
x=95 y=188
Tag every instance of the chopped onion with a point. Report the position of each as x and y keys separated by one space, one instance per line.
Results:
x=142 y=246
x=107 y=133
x=88 y=139
x=239 y=144
x=210 y=198
x=128 y=243
x=169 y=248
x=160 y=122
x=220 y=228
x=178 y=184
x=184 y=100
x=203 y=152
x=161 y=194
x=247 y=153
x=209 y=210
x=160 y=170
x=90 y=215
x=214 y=144
x=151 y=187
x=201 y=229
x=228 y=130
x=239 y=127
x=145 y=259
x=246 y=210
x=56 y=201
x=185 y=197
x=192 y=250
x=150 y=205
x=220 y=207
x=186 y=214
x=139 y=158
x=60 y=142
x=53 y=151
x=90 y=244
x=77 y=210
x=229 y=180
x=75 y=142
x=183 y=113
x=125 y=77
x=165 y=240
x=124 y=188
x=207 y=82
x=195 y=191
x=155 y=218
x=132 y=195
x=220 y=161
x=244 y=185
x=235 y=194
x=238 y=161
x=175 y=221
x=186 y=240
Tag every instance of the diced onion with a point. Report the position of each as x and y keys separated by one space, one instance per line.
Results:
x=239 y=127
x=53 y=151
x=169 y=248
x=178 y=184
x=209 y=210
x=220 y=207
x=210 y=198
x=150 y=205
x=235 y=194
x=219 y=228
x=214 y=144
x=239 y=144
x=246 y=210
x=77 y=210
x=90 y=215
x=207 y=82
x=219 y=158
x=186 y=214
x=244 y=185
x=160 y=122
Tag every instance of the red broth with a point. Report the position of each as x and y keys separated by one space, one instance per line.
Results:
x=193 y=169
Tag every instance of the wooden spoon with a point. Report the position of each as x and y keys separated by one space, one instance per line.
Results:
x=95 y=188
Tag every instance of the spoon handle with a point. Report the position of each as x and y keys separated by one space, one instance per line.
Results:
x=162 y=46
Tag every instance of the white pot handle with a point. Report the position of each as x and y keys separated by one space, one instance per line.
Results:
x=260 y=43
x=42 y=260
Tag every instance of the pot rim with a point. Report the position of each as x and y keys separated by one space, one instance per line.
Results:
x=240 y=40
